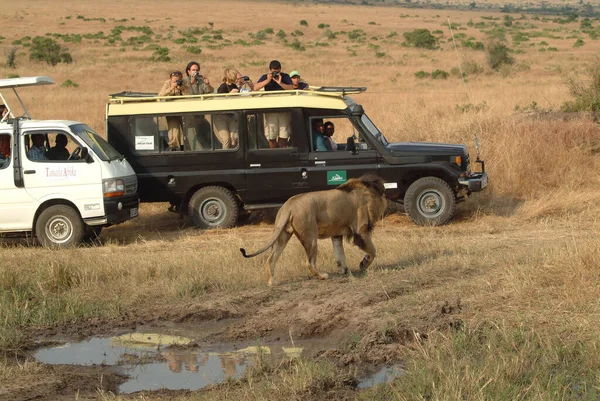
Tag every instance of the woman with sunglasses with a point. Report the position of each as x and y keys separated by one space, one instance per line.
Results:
x=174 y=87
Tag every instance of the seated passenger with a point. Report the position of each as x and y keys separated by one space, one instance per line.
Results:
x=59 y=151
x=329 y=130
x=37 y=150
x=318 y=138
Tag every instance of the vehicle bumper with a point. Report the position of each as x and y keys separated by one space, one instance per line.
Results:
x=117 y=210
x=475 y=182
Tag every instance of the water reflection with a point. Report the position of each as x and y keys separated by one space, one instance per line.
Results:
x=151 y=366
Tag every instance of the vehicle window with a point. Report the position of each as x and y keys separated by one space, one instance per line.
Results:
x=373 y=129
x=51 y=146
x=99 y=146
x=269 y=130
x=343 y=128
x=5 y=147
x=186 y=133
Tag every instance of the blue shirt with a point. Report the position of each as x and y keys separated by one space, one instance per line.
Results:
x=36 y=153
x=319 y=142
x=273 y=85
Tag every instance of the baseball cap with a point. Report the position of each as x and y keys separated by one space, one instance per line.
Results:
x=294 y=73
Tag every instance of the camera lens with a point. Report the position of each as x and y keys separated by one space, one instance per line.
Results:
x=179 y=82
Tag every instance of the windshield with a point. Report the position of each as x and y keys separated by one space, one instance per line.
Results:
x=102 y=148
x=373 y=129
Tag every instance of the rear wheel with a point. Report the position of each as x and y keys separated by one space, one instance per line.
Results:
x=213 y=207
x=59 y=226
x=430 y=201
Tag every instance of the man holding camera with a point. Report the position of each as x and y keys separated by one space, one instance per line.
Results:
x=277 y=127
x=174 y=86
x=198 y=84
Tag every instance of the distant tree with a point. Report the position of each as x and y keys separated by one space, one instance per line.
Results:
x=420 y=38
x=48 y=50
x=497 y=55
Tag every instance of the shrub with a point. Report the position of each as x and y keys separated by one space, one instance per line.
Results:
x=392 y=34
x=323 y=26
x=497 y=55
x=11 y=56
x=193 y=49
x=439 y=74
x=13 y=76
x=329 y=34
x=48 y=50
x=69 y=84
x=421 y=74
x=586 y=91
x=421 y=38
x=303 y=23
x=578 y=43
x=380 y=54
x=161 y=54
x=281 y=34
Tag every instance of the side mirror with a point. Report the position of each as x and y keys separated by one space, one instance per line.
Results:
x=85 y=155
x=351 y=146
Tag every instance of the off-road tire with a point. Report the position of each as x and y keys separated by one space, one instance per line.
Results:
x=213 y=207
x=59 y=226
x=430 y=201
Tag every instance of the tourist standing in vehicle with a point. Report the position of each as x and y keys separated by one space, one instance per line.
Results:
x=174 y=86
x=227 y=124
x=328 y=131
x=245 y=83
x=198 y=84
x=277 y=127
x=297 y=82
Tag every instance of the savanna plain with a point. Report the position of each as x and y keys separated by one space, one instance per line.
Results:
x=500 y=304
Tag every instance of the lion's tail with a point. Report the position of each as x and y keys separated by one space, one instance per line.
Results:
x=284 y=221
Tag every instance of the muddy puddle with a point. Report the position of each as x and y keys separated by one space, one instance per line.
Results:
x=155 y=361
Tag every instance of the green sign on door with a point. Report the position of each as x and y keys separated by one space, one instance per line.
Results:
x=336 y=177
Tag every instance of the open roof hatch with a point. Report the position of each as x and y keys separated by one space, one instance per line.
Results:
x=14 y=83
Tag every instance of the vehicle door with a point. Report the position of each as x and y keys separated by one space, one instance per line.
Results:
x=17 y=207
x=328 y=169
x=273 y=174
x=51 y=173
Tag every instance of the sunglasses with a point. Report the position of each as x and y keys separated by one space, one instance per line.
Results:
x=176 y=74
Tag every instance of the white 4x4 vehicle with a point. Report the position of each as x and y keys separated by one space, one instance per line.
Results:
x=59 y=179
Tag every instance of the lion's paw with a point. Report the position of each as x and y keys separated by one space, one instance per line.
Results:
x=323 y=276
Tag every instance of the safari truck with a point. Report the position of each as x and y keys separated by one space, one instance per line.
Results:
x=216 y=179
x=59 y=179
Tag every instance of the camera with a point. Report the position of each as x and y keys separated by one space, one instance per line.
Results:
x=179 y=82
x=246 y=78
x=198 y=76
x=275 y=75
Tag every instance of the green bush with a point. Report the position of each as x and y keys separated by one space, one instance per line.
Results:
x=161 y=54
x=422 y=74
x=48 y=50
x=69 y=84
x=322 y=26
x=329 y=34
x=578 y=43
x=11 y=57
x=303 y=23
x=421 y=38
x=585 y=91
x=193 y=49
x=439 y=74
x=497 y=55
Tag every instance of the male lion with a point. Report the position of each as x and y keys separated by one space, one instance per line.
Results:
x=350 y=210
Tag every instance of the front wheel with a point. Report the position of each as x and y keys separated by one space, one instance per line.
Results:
x=58 y=227
x=430 y=201
x=213 y=207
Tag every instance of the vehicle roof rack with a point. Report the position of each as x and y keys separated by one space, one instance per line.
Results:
x=344 y=90
x=13 y=83
x=133 y=94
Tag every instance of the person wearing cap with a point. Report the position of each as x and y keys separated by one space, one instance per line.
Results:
x=297 y=83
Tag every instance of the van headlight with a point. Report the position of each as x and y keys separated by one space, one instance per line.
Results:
x=113 y=187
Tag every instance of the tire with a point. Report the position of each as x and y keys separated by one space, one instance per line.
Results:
x=59 y=227
x=91 y=233
x=430 y=201
x=213 y=207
